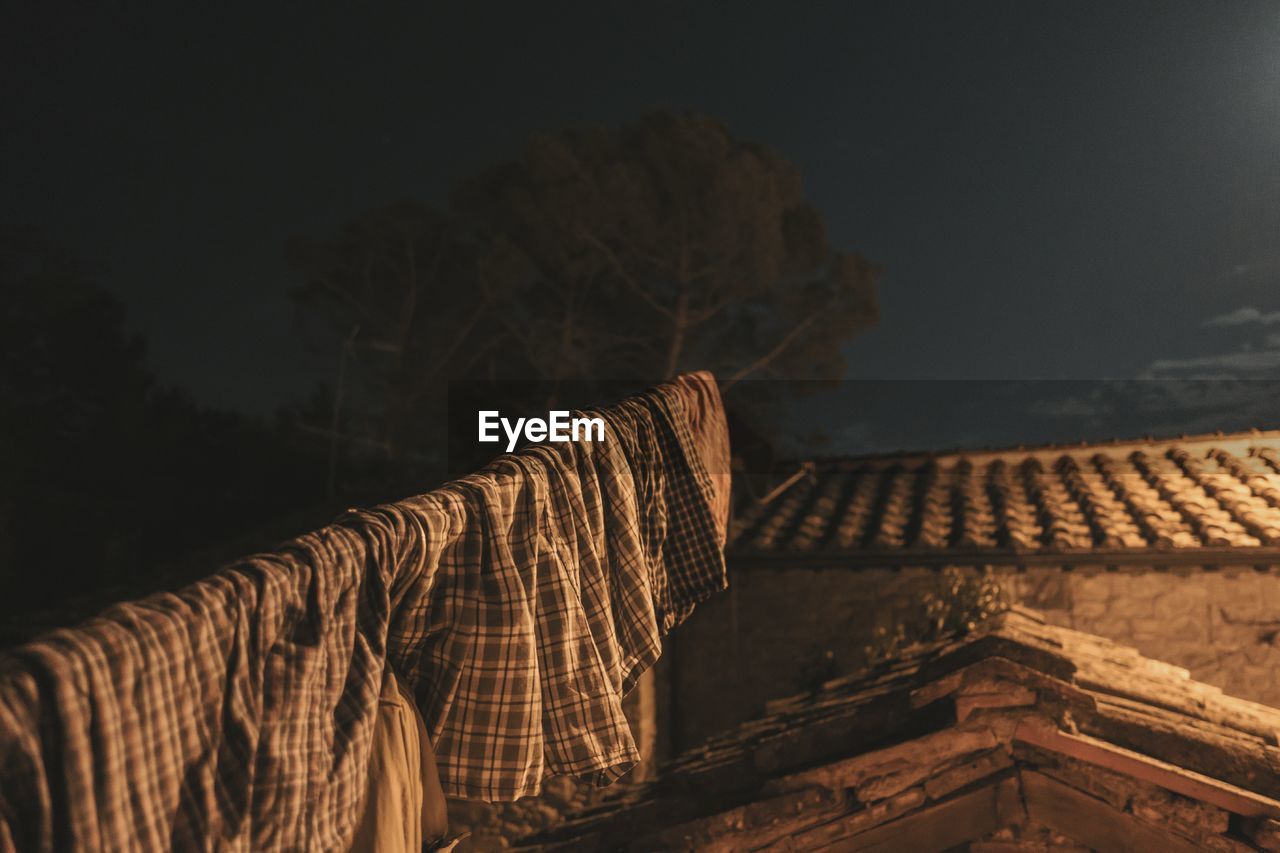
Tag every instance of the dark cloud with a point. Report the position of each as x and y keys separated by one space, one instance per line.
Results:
x=1245 y=316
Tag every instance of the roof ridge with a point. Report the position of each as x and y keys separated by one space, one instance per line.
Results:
x=1252 y=434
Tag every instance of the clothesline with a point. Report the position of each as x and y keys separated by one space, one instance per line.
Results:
x=520 y=604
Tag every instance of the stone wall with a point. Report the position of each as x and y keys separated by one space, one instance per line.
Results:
x=782 y=631
x=1221 y=624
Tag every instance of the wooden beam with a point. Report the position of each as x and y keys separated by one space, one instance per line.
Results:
x=1093 y=822
x=1162 y=774
x=944 y=825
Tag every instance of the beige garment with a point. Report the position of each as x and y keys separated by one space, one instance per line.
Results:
x=404 y=802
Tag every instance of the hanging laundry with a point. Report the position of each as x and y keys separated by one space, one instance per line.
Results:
x=518 y=605
x=403 y=805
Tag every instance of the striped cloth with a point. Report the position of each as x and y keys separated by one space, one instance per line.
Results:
x=519 y=604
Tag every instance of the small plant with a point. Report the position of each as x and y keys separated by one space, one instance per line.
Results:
x=963 y=601
x=816 y=670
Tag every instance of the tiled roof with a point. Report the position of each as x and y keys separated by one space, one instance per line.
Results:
x=1044 y=726
x=1208 y=492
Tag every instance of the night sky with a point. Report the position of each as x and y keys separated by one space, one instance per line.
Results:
x=1063 y=190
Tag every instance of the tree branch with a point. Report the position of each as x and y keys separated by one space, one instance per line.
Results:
x=707 y=313
x=464 y=332
x=626 y=277
x=772 y=354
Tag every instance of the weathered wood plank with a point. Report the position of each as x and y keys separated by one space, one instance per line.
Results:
x=836 y=831
x=1171 y=777
x=936 y=827
x=1092 y=822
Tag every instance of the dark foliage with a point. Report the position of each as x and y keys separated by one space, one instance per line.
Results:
x=596 y=255
x=109 y=482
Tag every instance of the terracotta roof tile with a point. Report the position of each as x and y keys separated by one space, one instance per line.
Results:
x=1208 y=492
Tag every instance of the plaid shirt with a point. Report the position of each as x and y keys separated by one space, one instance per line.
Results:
x=519 y=603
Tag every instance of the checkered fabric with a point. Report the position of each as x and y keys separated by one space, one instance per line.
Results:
x=704 y=421
x=519 y=604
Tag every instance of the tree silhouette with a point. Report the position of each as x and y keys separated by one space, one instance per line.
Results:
x=110 y=481
x=407 y=301
x=614 y=254
x=666 y=245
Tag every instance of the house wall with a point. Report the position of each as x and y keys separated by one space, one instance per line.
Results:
x=780 y=631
